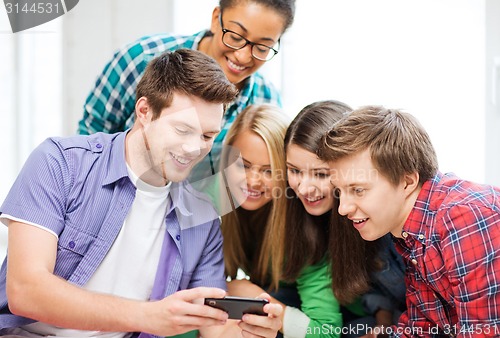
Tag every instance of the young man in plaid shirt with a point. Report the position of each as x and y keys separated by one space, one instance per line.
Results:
x=385 y=174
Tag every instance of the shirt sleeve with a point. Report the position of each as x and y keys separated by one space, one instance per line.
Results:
x=295 y=323
x=314 y=286
x=471 y=258
x=111 y=102
x=39 y=193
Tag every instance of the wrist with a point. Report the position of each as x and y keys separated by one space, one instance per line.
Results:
x=142 y=315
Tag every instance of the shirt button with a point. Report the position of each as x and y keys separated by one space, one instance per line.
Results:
x=414 y=261
x=420 y=236
x=178 y=237
x=72 y=245
x=405 y=234
x=98 y=146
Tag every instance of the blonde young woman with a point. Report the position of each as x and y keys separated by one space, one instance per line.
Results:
x=250 y=243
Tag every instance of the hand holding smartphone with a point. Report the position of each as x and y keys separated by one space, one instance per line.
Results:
x=236 y=307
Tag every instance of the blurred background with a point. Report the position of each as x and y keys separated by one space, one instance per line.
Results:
x=437 y=59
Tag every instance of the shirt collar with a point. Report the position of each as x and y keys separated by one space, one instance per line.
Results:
x=184 y=197
x=198 y=37
x=246 y=91
x=117 y=167
x=417 y=222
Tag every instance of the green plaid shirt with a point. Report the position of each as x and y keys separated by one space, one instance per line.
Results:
x=110 y=105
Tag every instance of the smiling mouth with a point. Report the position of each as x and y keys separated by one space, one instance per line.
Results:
x=181 y=160
x=234 y=66
x=251 y=193
x=359 y=221
x=313 y=199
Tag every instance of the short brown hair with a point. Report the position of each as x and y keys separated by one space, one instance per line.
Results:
x=184 y=71
x=397 y=142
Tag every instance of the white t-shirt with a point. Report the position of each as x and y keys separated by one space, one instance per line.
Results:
x=129 y=268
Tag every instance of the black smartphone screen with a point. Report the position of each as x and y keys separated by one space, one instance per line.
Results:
x=236 y=307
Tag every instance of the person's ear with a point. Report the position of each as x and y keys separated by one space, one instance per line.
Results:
x=142 y=110
x=215 y=25
x=411 y=182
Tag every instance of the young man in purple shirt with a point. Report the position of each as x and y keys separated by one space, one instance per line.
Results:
x=104 y=231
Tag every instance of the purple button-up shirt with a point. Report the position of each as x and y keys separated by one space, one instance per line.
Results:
x=78 y=188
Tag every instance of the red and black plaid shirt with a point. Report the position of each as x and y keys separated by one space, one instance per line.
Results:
x=451 y=246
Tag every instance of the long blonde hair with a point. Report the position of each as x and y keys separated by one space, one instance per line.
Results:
x=265 y=264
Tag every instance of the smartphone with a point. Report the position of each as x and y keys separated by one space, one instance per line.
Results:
x=236 y=307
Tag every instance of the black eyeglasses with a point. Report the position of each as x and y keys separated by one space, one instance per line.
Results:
x=236 y=41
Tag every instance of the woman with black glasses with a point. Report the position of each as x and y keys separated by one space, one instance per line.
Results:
x=243 y=35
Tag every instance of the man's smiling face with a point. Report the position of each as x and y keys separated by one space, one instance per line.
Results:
x=182 y=135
